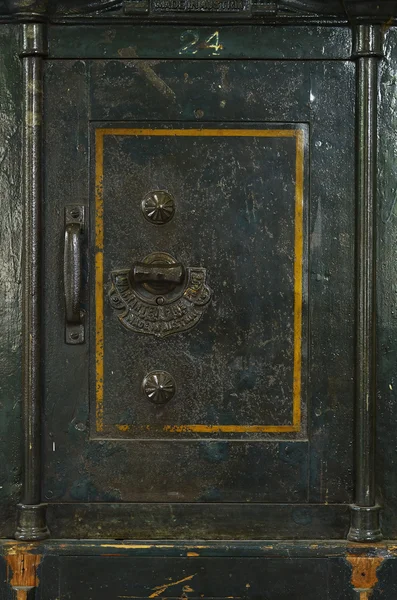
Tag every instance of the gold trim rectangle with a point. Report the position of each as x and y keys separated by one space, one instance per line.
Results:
x=298 y=134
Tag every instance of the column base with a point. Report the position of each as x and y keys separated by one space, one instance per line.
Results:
x=31 y=523
x=364 y=524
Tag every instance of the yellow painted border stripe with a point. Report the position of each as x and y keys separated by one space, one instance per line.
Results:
x=298 y=273
x=213 y=428
x=99 y=339
x=269 y=133
x=298 y=276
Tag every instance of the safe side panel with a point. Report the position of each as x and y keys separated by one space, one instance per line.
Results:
x=78 y=469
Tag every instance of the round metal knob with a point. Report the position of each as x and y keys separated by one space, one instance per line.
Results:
x=158 y=207
x=159 y=387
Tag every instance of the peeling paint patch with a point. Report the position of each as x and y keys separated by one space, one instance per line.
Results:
x=364 y=577
x=123 y=427
x=135 y=546
x=22 y=572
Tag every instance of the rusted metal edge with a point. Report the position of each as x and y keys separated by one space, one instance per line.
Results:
x=325 y=549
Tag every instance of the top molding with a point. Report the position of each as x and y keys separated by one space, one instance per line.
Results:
x=373 y=10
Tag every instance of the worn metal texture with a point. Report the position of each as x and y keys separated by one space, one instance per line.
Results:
x=386 y=287
x=10 y=277
x=220 y=520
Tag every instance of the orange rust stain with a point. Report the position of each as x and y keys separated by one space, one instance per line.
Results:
x=123 y=427
x=22 y=572
x=193 y=554
x=13 y=547
x=385 y=26
x=364 y=571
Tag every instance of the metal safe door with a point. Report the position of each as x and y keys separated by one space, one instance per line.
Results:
x=199 y=217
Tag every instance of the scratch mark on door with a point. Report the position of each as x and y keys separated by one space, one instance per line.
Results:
x=158 y=590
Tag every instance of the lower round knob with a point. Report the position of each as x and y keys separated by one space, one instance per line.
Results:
x=159 y=387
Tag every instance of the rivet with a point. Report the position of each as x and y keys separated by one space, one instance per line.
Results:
x=158 y=207
x=159 y=387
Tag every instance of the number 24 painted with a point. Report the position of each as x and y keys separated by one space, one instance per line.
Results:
x=191 y=39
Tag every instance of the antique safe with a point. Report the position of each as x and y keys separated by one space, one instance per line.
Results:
x=198 y=297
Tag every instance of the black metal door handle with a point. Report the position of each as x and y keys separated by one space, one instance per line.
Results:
x=72 y=271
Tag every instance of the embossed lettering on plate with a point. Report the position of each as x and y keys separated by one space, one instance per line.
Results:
x=218 y=6
x=170 y=315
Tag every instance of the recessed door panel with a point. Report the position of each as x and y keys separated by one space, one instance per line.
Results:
x=218 y=353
